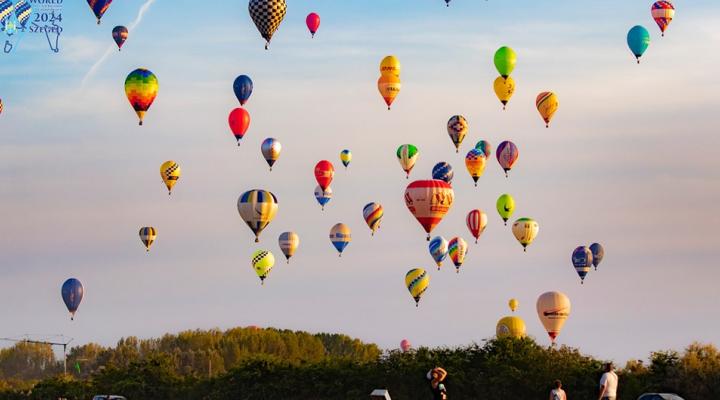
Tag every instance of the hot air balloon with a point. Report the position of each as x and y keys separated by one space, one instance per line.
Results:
x=638 y=39
x=324 y=172
x=553 y=309
x=405 y=345
x=340 y=237
x=141 y=88
x=407 y=155
x=373 y=213
x=99 y=7
x=513 y=304
x=389 y=87
x=257 y=208
x=662 y=12
x=505 y=59
x=323 y=196
x=447 y=3
x=475 y=164
x=120 y=34
x=505 y=207
x=429 y=201
x=147 y=236
x=72 y=293
x=1 y=106
x=345 y=157
x=485 y=147
x=390 y=66
x=270 y=149
x=476 y=222
x=598 y=253
x=511 y=326
x=313 y=23
x=417 y=282
x=443 y=171
x=239 y=121
x=547 y=104
x=457 y=249
x=243 y=87
x=262 y=262
x=582 y=260
x=267 y=16
x=288 y=242
x=457 y=128
x=504 y=89
x=438 y=250
x=507 y=154
x=525 y=231
x=170 y=174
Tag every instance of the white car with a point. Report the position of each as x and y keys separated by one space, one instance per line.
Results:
x=108 y=397
x=659 y=396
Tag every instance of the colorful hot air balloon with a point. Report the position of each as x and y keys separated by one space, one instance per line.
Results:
x=511 y=326
x=407 y=155
x=405 y=345
x=313 y=23
x=438 y=250
x=390 y=66
x=141 y=88
x=443 y=171
x=345 y=157
x=257 y=208
x=271 y=149
x=505 y=207
x=525 y=231
x=324 y=172
x=507 y=154
x=475 y=164
x=513 y=304
x=373 y=213
x=170 y=174
x=323 y=196
x=72 y=293
x=663 y=13
x=582 y=260
x=243 y=87
x=429 y=201
x=547 y=104
x=476 y=222
x=389 y=87
x=267 y=16
x=457 y=249
x=239 y=121
x=288 y=242
x=553 y=309
x=120 y=35
x=505 y=59
x=147 y=236
x=504 y=89
x=598 y=253
x=638 y=39
x=99 y=7
x=340 y=237
x=485 y=147
x=417 y=282
x=262 y=262
x=457 y=128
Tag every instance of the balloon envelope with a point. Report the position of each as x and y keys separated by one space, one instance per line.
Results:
x=547 y=104
x=389 y=87
x=405 y=345
x=505 y=206
x=257 y=208
x=390 y=65
x=271 y=149
x=511 y=326
x=443 y=171
x=513 y=304
x=72 y=293
x=288 y=242
x=147 y=236
x=457 y=128
x=262 y=262
x=170 y=174
x=120 y=35
x=243 y=87
x=99 y=7
x=507 y=154
x=485 y=147
x=438 y=247
x=323 y=196
x=582 y=260
x=598 y=253
x=525 y=231
x=407 y=155
x=457 y=249
x=313 y=23
x=239 y=121
x=267 y=16
x=505 y=59
x=324 y=173
x=475 y=164
x=476 y=222
x=373 y=213
x=340 y=237
x=429 y=201
x=553 y=309
x=345 y=157
x=662 y=12
x=504 y=89
x=417 y=282
x=141 y=88
x=638 y=39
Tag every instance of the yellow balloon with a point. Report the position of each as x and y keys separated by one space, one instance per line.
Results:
x=511 y=327
x=390 y=66
x=504 y=89
x=262 y=262
x=475 y=164
x=525 y=231
x=417 y=281
x=389 y=87
x=553 y=309
x=170 y=173
x=513 y=303
x=547 y=104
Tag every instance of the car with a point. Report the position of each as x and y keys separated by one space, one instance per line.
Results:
x=108 y=397
x=659 y=396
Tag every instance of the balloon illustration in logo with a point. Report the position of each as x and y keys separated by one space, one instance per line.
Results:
x=324 y=172
x=141 y=88
x=239 y=121
x=547 y=104
x=262 y=262
x=638 y=39
x=323 y=196
x=525 y=231
x=457 y=249
x=271 y=149
x=598 y=253
x=443 y=171
x=373 y=213
x=417 y=282
x=288 y=242
x=476 y=222
x=507 y=154
x=582 y=260
x=438 y=247
x=257 y=208
x=429 y=201
x=170 y=174
x=553 y=309
x=72 y=293
x=313 y=23
x=407 y=155
x=340 y=237
x=147 y=236
x=505 y=207
x=457 y=128
x=267 y=16
x=243 y=88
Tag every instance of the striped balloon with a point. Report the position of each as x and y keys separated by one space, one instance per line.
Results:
x=6 y=9
x=582 y=259
x=457 y=249
x=443 y=171
x=407 y=155
x=429 y=201
x=141 y=88
x=373 y=213
x=340 y=237
x=22 y=13
x=475 y=164
x=438 y=250
x=147 y=236
x=257 y=208
x=323 y=196
x=547 y=104
x=417 y=282
x=288 y=242
x=345 y=157
x=99 y=7
x=663 y=13
x=270 y=149
x=457 y=128
x=507 y=154
x=476 y=222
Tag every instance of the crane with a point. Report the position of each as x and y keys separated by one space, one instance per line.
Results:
x=63 y=344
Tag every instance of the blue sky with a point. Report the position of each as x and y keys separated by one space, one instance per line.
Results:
x=627 y=162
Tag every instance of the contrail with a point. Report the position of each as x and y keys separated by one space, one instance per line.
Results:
x=111 y=47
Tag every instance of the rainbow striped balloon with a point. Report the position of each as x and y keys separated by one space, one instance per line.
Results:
x=373 y=213
x=141 y=88
x=457 y=249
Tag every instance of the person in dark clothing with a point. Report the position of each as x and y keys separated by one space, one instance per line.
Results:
x=436 y=376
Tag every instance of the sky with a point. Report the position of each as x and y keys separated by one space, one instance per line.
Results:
x=628 y=162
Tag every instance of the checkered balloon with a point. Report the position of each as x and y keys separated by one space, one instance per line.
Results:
x=267 y=16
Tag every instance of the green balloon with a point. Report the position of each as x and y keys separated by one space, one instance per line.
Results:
x=505 y=206
x=505 y=59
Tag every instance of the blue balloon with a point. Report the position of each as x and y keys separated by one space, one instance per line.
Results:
x=438 y=249
x=243 y=87
x=582 y=259
x=72 y=294
x=443 y=171
x=598 y=253
x=638 y=39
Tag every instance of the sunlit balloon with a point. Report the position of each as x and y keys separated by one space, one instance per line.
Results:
x=504 y=89
x=262 y=262
x=417 y=282
x=553 y=309
x=507 y=154
x=141 y=88
x=525 y=231
x=475 y=164
x=243 y=88
x=288 y=242
x=345 y=157
x=390 y=66
x=405 y=345
x=638 y=39
x=511 y=326
x=340 y=237
x=485 y=147
x=513 y=304
x=313 y=23
x=257 y=208
x=267 y=16
x=170 y=174
x=1 y=106
x=505 y=206
x=457 y=249
x=120 y=35
x=457 y=128
x=505 y=59
x=323 y=196
x=428 y=201
x=476 y=222
x=598 y=253
x=324 y=173
x=547 y=104
x=443 y=171
x=99 y=7
x=663 y=13
x=271 y=149
x=373 y=213
x=147 y=236
x=389 y=87
x=438 y=247
x=72 y=294
x=407 y=155
x=582 y=260
x=239 y=121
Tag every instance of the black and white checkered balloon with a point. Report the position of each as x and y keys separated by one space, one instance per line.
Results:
x=267 y=15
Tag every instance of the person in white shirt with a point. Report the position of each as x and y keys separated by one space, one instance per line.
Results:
x=608 y=383
x=558 y=393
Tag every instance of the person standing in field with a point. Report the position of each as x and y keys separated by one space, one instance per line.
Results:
x=608 y=383
x=436 y=376
x=558 y=393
